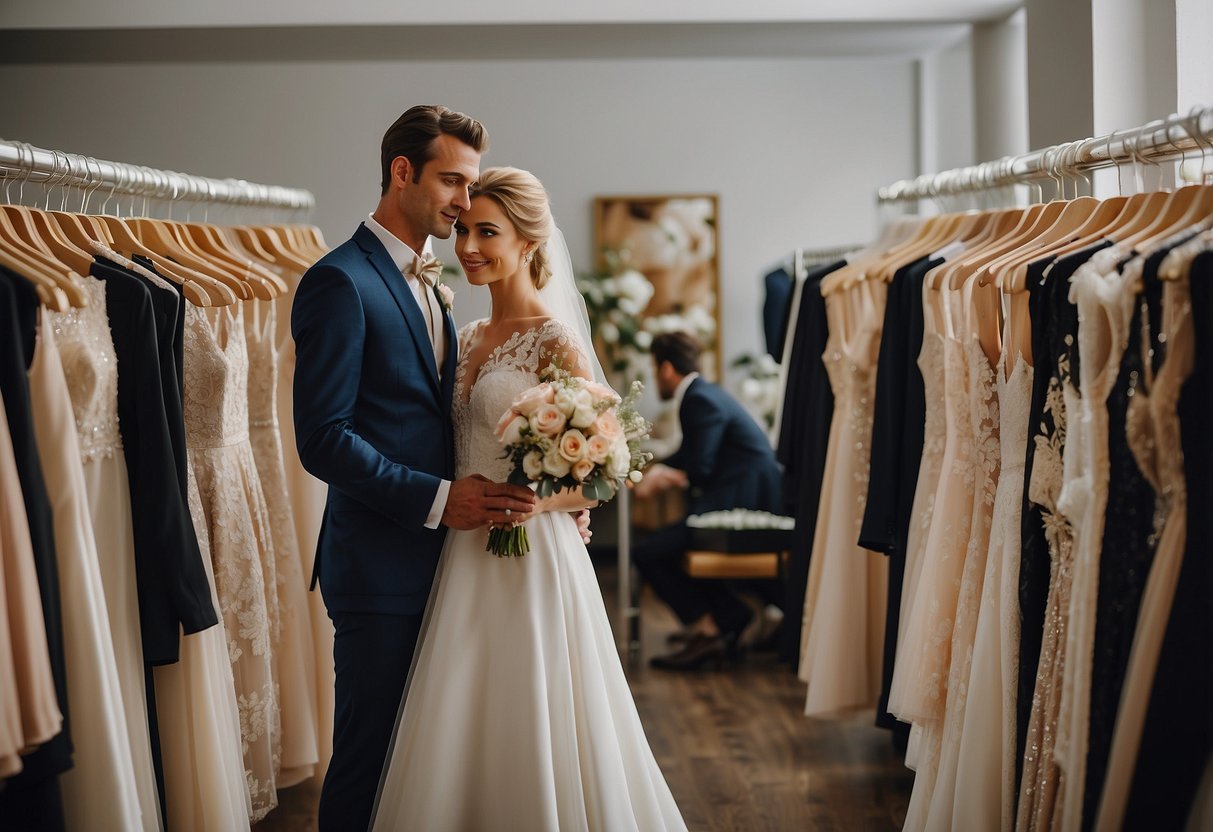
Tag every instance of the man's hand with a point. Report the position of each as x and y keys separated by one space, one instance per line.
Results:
x=477 y=501
x=659 y=478
x=583 y=525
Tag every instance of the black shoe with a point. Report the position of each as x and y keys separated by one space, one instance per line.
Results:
x=697 y=652
x=681 y=636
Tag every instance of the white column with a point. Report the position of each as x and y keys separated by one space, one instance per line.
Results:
x=1000 y=87
x=1060 y=98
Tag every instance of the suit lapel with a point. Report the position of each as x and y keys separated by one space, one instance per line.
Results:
x=378 y=257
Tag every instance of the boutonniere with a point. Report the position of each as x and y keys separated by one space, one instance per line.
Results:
x=446 y=296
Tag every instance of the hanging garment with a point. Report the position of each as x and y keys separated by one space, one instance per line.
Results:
x=307 y=495
x=846 y=590
x=985 y=769
x=90 y=366
x=100 y=791
x=31 y=799
x=898 y=424
x=809 y=406
x=1177 y=739
x=1154 y=435
x=233 y=508
x=294 y=655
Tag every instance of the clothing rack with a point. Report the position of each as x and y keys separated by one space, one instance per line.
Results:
x=22 y=161
x=1165 y=140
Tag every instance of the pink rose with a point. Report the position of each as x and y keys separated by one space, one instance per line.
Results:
x=504 y=422
x=547 y=420
x=446 y=295
x=607 y=426
x=572 y=445
x=530 y=400
x=597 y=449
x=601 y=392
x=582 y=469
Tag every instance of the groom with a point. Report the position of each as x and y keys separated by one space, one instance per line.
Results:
x=373 y=383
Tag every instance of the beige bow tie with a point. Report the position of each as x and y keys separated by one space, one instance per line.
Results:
x=427 y=269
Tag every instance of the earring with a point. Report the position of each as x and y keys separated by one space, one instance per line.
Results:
x=526 y=258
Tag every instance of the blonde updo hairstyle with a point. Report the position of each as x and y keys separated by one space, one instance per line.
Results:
x=525 y=202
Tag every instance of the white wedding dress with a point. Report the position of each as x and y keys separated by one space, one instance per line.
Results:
x=517 y=714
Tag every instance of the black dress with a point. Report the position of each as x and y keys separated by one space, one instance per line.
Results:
x=1055 y=357
x=174 y=594
x=808 y=408
x=1177 y=739
x=31 y=800
x=898 y=421
x=1126 y=550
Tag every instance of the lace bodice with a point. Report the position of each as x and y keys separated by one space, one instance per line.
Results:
x=263 y=368
x=216 y=378
x=510 y=368
x=91 y=367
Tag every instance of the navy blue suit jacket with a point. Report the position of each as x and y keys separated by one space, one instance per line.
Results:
x=727 y=458
x=372 y=419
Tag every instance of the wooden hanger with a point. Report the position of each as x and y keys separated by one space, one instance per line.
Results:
x=55 y=286
x=266 y=284
x=1002 y=225
x=157 y=236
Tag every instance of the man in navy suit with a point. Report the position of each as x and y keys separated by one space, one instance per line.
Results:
x=375 y=370
x=727 y=462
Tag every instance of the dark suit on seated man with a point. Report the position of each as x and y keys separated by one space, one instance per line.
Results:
x=726 y=462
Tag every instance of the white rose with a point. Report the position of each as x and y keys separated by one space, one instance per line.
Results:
x=572 y=445
x=609 y=332
x=635 y=476
x=532 y=465
x=566 y=400
x=619 y=461
x=554 y=463
x=512 y=434
x=644 y=339
x=582 y=469
x=584 y=415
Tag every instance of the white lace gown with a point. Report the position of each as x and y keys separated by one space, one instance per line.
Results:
x=518 y=715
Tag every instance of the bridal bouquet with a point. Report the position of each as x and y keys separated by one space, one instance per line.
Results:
x=567 y=432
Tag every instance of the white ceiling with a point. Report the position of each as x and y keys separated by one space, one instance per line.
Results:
x=133 y=14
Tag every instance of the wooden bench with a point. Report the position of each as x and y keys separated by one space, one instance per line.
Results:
x=700 y=563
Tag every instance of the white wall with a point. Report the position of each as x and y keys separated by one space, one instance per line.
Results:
x=794 y=148
x=1000 y=87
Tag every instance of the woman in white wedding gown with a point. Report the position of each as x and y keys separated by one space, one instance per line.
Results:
x=517 y=713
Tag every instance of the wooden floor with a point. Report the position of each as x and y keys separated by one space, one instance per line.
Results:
x=736 y=749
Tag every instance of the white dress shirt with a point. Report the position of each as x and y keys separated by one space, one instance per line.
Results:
x=402 y=257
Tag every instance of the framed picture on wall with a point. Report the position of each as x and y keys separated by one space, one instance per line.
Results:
x=674 y=242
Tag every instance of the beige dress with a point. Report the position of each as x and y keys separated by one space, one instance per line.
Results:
x=99 y=791
x=29 y=709
x=984 y=419
x=308 y=496
x=234 y=514
x=294 y=656
x=843 y=639
x=90 y=365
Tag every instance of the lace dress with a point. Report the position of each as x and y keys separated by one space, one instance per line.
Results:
x=100 y=790
x=1105 y=307
x=985 y=778
x=984 y=419
x=234 y=515
x=844 y=610
x=930 y=362
x=90 y=366
x=1156 y=442
x=294 y=656
x=518 y=715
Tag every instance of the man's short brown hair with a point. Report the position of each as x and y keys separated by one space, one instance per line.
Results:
x=412 y=136
x=681 y=349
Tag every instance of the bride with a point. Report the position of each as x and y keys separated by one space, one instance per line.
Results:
x=517 y=714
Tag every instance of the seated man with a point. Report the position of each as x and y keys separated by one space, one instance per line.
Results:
x=727 y=462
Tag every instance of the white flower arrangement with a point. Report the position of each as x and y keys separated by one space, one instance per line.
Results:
x=741 y=518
